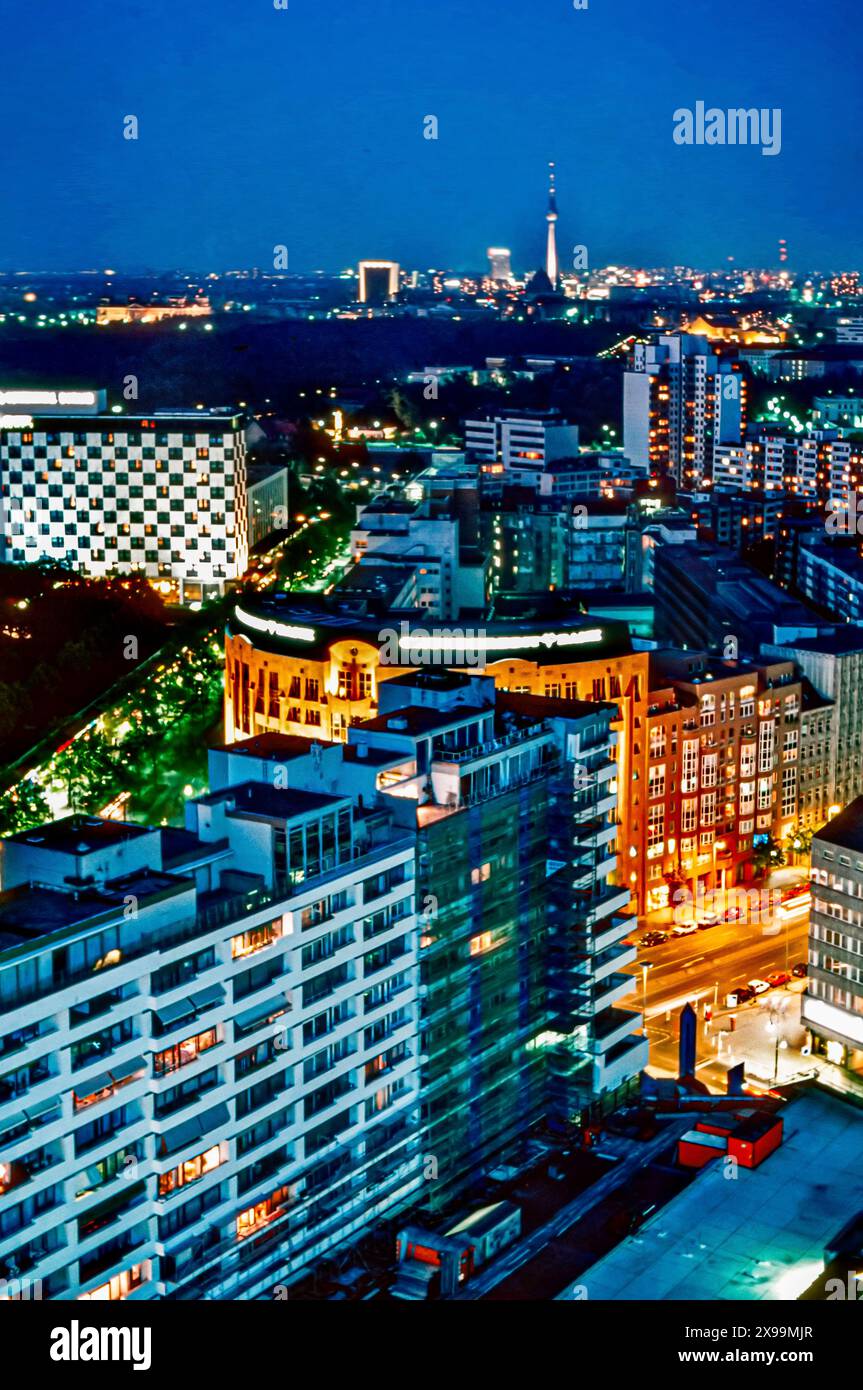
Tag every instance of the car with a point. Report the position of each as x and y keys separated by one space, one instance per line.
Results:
x=741 y=994
x=800 y=970
x=778 y=978
x=731 y=914
x=653 y=938
x=711 y=920
x=758 y=986
x=684 y=929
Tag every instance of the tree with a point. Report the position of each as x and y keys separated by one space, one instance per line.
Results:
x=768 y=855
x=23 y=807
x=799 y=843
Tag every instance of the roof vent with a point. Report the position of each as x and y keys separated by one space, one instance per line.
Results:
x=399 y=722
x=362 y=750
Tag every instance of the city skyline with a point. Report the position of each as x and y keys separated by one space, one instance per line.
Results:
x=262 y=134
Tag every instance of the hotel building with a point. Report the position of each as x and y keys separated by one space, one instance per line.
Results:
x=163 y=495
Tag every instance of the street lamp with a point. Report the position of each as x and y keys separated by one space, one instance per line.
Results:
x=717 y=845
x=645 y=966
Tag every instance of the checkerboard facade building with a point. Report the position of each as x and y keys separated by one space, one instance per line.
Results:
x=164 y=495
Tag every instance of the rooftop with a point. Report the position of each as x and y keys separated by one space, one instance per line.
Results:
x=760 y=1237
x=270 y=803
x=28 y=912
x=79 y=834
x=845 y=830
x=271 y=746
x=423 y=719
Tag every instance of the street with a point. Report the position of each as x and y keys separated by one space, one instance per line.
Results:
x=701 y=969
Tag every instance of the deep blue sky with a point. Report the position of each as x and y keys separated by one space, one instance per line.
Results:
x=304 y=127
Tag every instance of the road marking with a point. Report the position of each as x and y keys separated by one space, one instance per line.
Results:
x=678 y=1002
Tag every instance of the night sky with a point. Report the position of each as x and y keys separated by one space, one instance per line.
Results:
x=304 y=127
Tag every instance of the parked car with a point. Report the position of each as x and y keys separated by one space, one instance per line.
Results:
x=758 y=986
x=778 y=978
x=710 y=920
x=800 y=970
x=731 y=914
x=741 y=994
x=653 y=938
x=684 y=929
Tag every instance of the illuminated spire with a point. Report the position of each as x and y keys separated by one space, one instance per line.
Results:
x=551 y=219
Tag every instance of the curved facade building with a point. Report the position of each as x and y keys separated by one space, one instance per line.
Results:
x=310 y=665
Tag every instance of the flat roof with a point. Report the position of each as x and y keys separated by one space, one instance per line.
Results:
x=26 y=913
x=424 y=719
x=761 y=1236
x=270 y=746
x=845 y=830
x=271 y=803
x=79 y=834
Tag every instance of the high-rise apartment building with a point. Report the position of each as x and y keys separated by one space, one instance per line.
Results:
x=163 y=495
x=208 y=1042
x=679 y=400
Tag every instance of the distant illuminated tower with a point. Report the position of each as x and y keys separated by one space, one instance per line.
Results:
x=379 y=281
x=783 y=251
x=500 y=262
x=551 y=219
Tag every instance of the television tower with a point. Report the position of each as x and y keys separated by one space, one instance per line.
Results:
x=551 y=219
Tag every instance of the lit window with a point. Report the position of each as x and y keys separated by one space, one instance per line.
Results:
x=481 y=943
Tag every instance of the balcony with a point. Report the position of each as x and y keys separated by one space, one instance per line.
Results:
x=621 y=1063
x=612 y=989
x=612 y=1027
x=612 y=928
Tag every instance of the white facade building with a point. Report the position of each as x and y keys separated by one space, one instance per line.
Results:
x=208 y=1057
x=518 y=448
x=163 y=495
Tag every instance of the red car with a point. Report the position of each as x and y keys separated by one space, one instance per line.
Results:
x=778 y=979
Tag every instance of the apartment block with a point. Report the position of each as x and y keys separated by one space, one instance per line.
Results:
x=818 y=464
x=833 y=1003
x=679 y=400
x=723 y=767
x=833 y=664
x=208 y=1044
x=519 y=448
